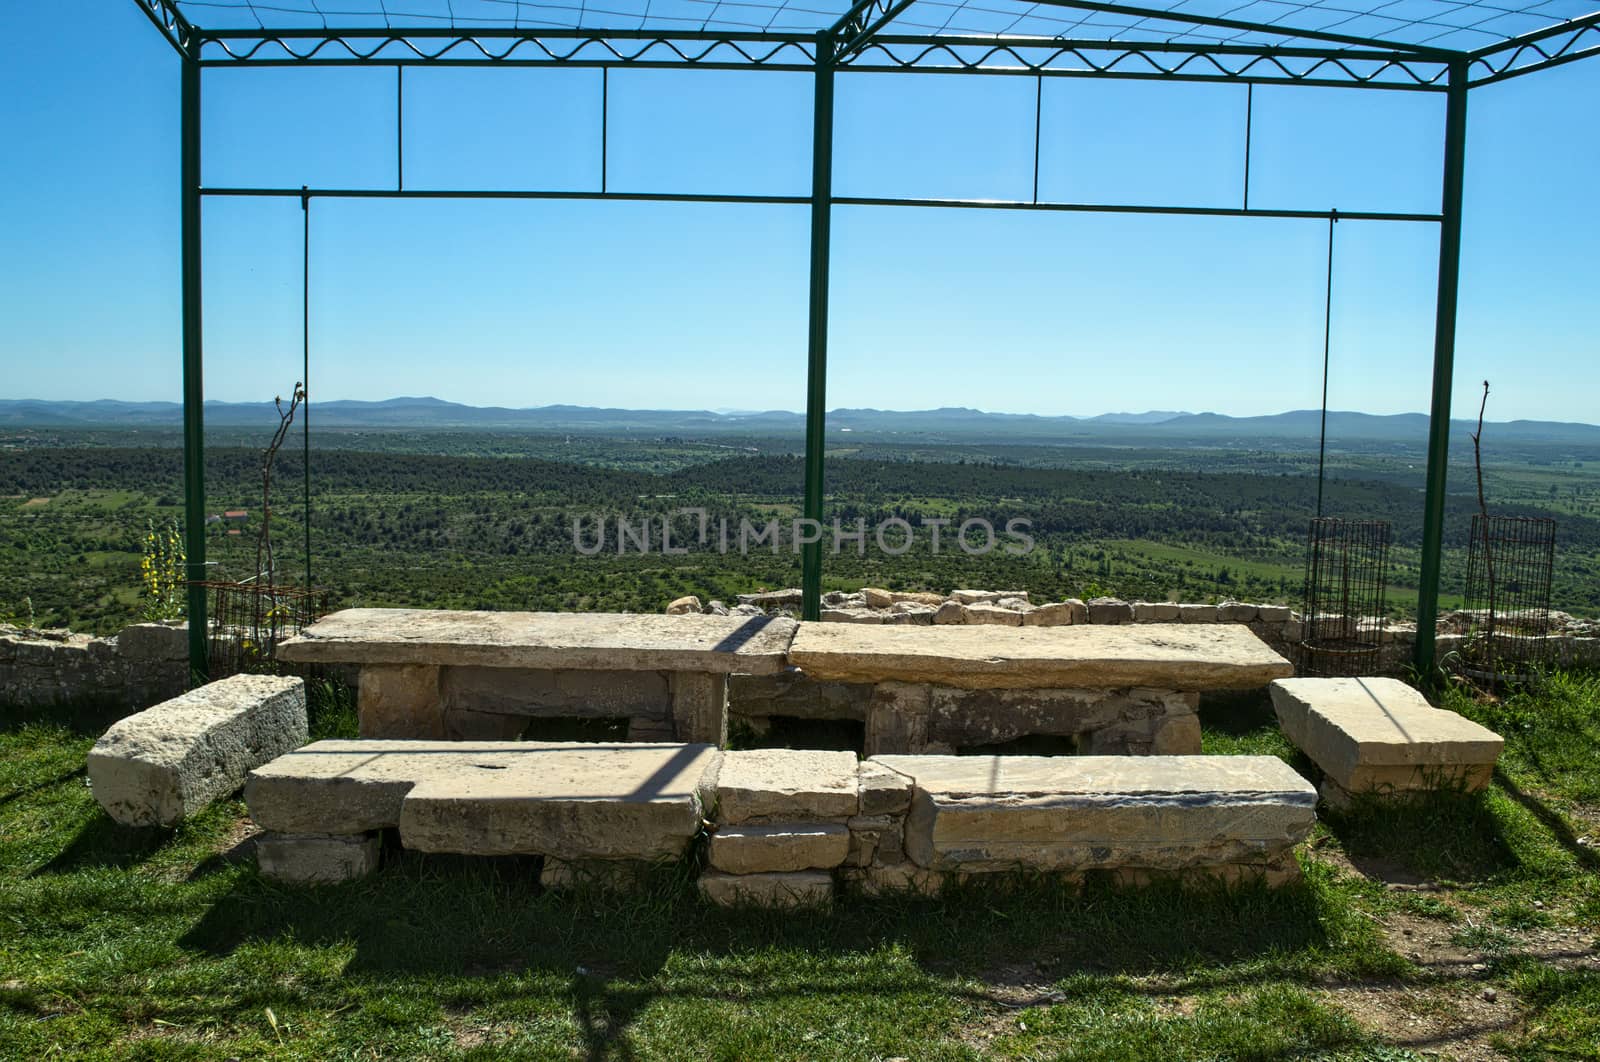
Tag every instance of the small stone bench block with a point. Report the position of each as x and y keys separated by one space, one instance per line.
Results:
x=1378 y=735
x=764 y=849
x=806 y=888
x=1077 y=813
x=786 y=785
x=158 y=766
x=316 y=859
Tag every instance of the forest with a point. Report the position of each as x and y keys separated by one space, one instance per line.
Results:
x=485 y=524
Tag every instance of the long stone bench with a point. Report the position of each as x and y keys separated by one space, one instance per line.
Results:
x=633 y=803
x=482 y=675
x=785 y=824
x=1114 y=689
x=1380 y=736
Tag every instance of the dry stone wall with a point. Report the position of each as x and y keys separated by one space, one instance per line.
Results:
x=143 y=665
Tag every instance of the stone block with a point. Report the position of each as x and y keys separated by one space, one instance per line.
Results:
x=875 y=838
x=972 y=597
x=581 y=694
x=154 y=641
x=1112 y=722
x=1380 y=735
x=796 y=695
x=792 y=598
x=1236 y=612
x=159 y=766
x=1155 y=612
x=991 y=614
x=769 y=849
x=882 y=791
x=400 y=702
x=685 y=606
x=786 y=785
x=951 y=612
x=606 y=875
x=556 y=641
x=700 y=707
x=851 y=615
x=876 y=598
x=898 y=718
x=805 y=888
x=917 y=597
x=1192 y=613
x=1273 y=613
x=572 y=800
x=1161 y=656
x=316 y=859
x=1052 y=614
x=1110 y=610
x=993 y=813
x=898 y=878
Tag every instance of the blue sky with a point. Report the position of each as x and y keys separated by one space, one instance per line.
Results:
x=634 y=304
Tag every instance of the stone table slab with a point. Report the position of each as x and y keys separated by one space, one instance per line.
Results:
x=1073 y=813
x=605 y=641
x=786 y=785
x=1158 y=655
x=568 y=799
x=1370 y=733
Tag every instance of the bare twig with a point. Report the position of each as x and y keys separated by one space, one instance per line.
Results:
x=265 y=573
x=1483 y=523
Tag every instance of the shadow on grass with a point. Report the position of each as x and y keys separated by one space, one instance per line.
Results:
x=102 y=842
x=455 y=915
x=39 y=786
x=1551 y=820
x=1423 y=837
x=89 y=718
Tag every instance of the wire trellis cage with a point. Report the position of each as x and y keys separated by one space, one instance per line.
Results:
x=249 y=619
x=1347 y=571
x=1509 y=565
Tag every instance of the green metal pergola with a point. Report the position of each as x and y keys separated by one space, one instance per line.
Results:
x=1442 y=46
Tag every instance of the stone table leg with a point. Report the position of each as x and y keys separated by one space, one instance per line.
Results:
x=897 y=719
x=400 y=701
x=700 y=707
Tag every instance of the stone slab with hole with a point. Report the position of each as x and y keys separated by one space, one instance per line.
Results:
x=569 y=800
x=1381 y=736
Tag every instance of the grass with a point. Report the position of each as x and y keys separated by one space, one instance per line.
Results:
x=119 y=943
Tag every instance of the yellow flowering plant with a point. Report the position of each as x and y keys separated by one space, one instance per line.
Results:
x=161 y=572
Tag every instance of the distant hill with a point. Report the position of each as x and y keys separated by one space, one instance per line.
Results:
x=1156 y=427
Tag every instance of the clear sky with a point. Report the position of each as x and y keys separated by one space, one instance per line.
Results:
x=699 y=306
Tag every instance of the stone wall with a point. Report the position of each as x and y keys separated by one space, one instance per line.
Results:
x=143 y=665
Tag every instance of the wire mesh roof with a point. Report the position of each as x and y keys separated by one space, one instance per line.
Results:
x=1456 y=25
x=1442 y=27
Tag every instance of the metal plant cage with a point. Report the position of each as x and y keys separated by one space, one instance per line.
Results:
x=1347 y=571
x=1443 y=47
x=1509 y=563
x=250 y=619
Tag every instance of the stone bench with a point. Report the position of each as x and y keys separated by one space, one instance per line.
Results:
x=576 y=803
x=482 y=675
x=1378 y=735
x=1113 y=689
x=158 y=766
x=1195 y=817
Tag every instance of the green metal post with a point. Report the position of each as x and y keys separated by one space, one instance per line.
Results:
x=194 y=462
x=817 y=349
x=1444 y=354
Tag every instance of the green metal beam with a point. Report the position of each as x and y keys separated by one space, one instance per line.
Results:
x=1184 y=18
x=194 y=460
x=817 y=347
x=1444 y=356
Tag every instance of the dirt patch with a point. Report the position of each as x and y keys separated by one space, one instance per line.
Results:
x=34 y=503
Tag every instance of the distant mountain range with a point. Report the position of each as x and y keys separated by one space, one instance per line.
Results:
x=933 y=424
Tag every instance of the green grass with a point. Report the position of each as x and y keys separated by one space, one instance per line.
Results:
x=119 y=943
